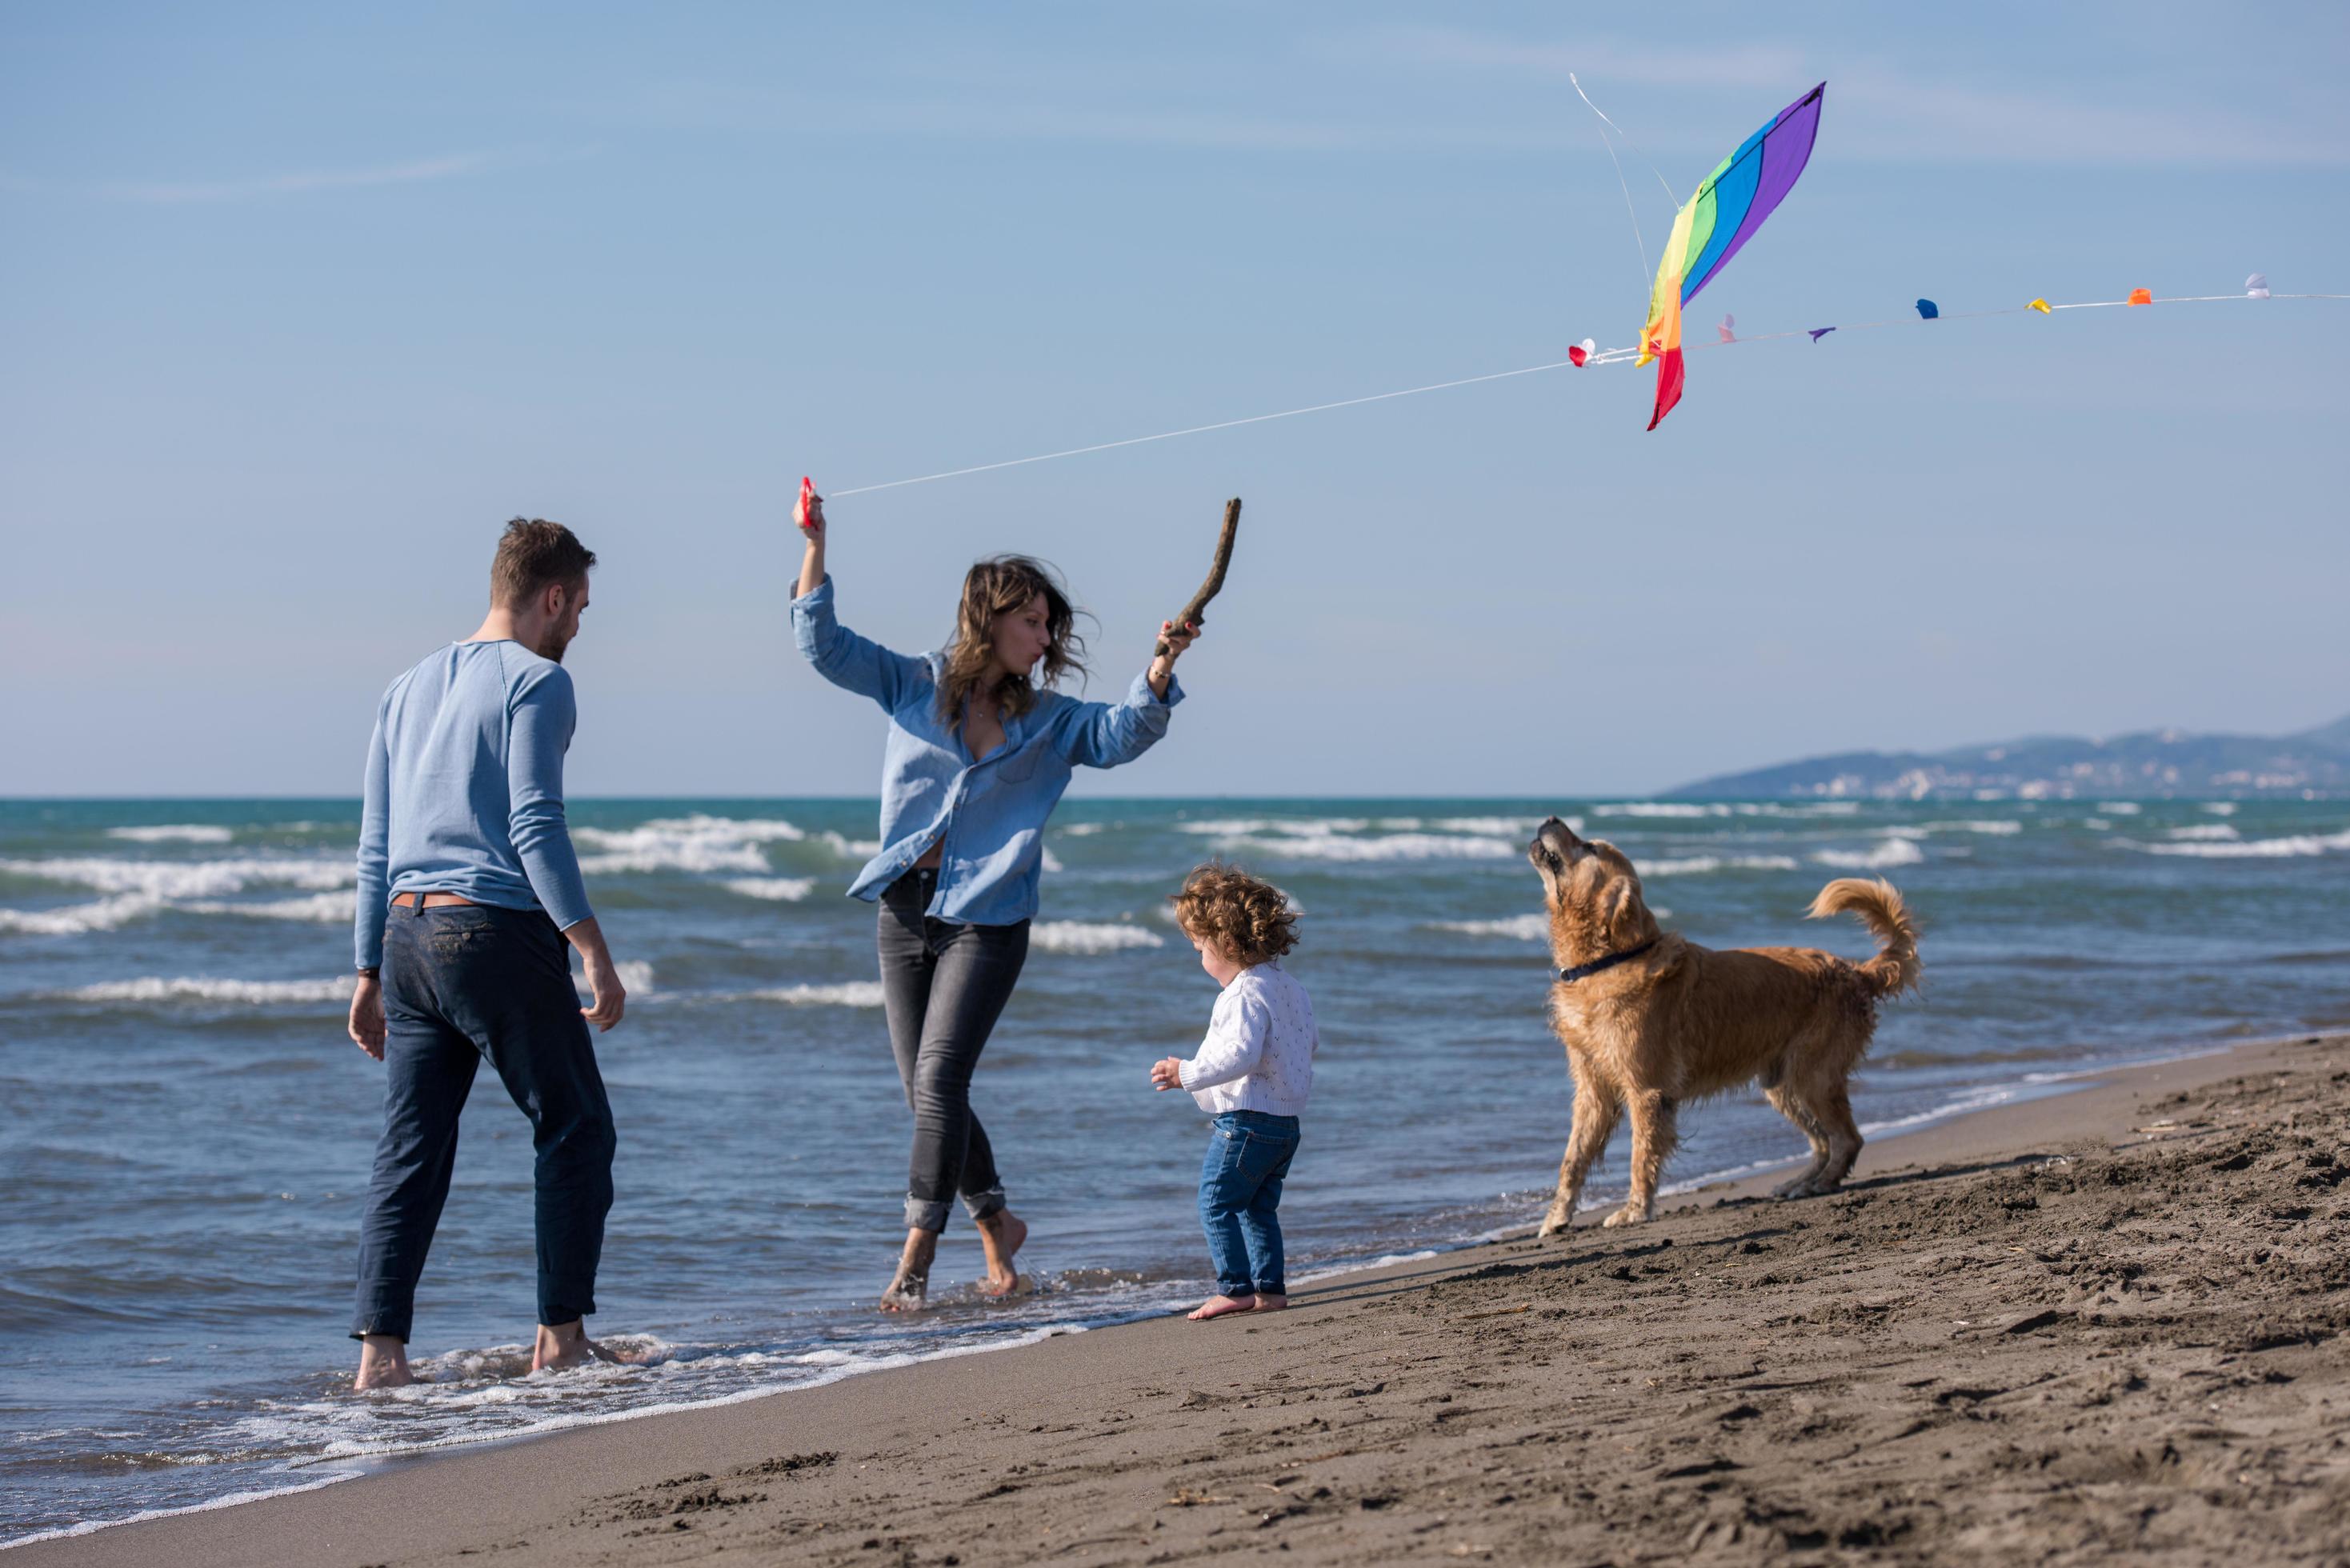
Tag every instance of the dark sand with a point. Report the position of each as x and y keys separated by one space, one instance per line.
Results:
x=2102 y=1327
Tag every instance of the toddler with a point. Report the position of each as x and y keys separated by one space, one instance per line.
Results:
x=1251 y=1074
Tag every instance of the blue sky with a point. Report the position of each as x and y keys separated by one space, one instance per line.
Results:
x=300 y=302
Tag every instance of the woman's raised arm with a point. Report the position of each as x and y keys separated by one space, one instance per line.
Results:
x=854 y=663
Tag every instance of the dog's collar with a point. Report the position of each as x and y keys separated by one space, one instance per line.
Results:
x=1586 y=971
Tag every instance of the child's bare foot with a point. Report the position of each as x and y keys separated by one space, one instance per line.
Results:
x=1001 y=1234
x=383 y=1364
x=1221 y=1306
x=1268 y=1302
x=910 y=1290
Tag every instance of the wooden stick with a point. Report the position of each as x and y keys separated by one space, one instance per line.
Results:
x=1215 y=583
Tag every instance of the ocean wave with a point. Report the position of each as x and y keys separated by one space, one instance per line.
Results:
x=858 y=849
x=325 y=908
x=182 y=878
x=1050 y=861
x=1522 y=827
x=849 y=993
x=80 y=919
x=2209 y=831
x=1660 y=808
x=636 y=979
x=2254 y=848
x=1233 y=826
x=1077 y=937
x=1892 y=852
x=1331 y=845
x=203 y=988
x=784 y=890
x=2221 y=807
x=1702 y=864
x=699 y=843
x=2120 y=808
x=1533 y=927
x=1083 y=829
x=175 y=833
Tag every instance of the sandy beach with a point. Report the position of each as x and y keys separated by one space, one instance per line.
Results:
x=2097 y=1326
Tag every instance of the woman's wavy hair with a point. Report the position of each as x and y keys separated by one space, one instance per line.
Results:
x=1246 y=918
x=998 y=587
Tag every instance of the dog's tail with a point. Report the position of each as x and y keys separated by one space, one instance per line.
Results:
x=1895 y=968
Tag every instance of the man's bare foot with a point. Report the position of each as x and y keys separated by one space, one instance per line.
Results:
x=1001 y=1235
x=1221 y=1307
x=1268 y=1302
x=564 y=1346
x=910 y=1290
x=383 y=1364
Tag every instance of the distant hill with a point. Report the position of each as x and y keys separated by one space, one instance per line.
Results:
x=2154 y=763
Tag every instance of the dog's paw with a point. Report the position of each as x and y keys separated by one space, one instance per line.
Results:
x=1552 y=1226
x=1800 y=1188
x=1628 y=1215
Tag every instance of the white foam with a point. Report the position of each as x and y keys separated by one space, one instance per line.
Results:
x=326 y=908
x=851 y=849
x=2208 y=832
x=183 y=878
x=2256 y=848
x=1659 y=808
x=699 y=843
x=2120 y=808
x=782 y=889
x=1534 y=927
x=1083 y=829
x=233 y=1500
x=1701 y=865
x=203 y=988
x=2221 y=807
x=1052 y=862
x=1996 y=827
x=2096 y=824
x=79 y=919
x=1077 y=937
x=636 y=979
x=1227 y=826
x=1892 y=852
x=173 y=832
x=1331 y=845
x=849 y=994
x=1520 y=826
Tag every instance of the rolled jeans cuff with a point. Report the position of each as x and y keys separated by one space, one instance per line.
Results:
x=380 y=1318
x=928 y=1214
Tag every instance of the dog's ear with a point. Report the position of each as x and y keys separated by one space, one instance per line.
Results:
x=1619 y=909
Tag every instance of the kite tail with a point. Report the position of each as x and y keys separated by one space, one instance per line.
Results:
x=1669 y=385
x=1666 y=345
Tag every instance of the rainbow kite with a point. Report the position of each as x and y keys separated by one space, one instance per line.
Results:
x=1724 y=216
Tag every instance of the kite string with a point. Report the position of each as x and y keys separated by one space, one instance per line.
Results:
x=1605 y=357
x=1624 y=185
x=1635 y=145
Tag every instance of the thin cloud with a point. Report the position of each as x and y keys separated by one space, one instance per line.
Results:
x=1898 y=115
x=300 y=183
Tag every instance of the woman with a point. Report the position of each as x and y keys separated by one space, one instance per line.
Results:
x=979 y=752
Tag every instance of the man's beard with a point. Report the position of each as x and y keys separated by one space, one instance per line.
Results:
x=552 y=646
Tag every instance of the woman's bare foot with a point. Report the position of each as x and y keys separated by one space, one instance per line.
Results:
x=383 y=1364
x=565 y=1346
x=1001 y=1234
x=1221 y=1307
x=911 y=1287
x=1268 y=1302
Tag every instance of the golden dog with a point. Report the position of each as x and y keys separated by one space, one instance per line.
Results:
x=1651 y=1021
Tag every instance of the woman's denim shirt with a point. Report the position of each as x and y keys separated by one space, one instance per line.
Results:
x=988 y=815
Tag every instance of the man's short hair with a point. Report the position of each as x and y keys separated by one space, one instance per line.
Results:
x=534 y=554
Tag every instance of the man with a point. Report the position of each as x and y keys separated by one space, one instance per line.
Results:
x=468 y=889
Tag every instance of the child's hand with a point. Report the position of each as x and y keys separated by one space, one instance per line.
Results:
x=1167 y=1073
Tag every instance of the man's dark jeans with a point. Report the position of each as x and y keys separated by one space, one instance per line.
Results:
x=943 y=986
x=461 y=984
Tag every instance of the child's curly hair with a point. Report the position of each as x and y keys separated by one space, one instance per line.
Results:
x=1248 y=919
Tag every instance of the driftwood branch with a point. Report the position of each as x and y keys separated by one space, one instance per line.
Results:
x=1190 y=615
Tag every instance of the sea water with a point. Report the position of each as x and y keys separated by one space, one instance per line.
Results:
x=185 y=1131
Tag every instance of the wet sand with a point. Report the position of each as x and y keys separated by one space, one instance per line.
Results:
x=2101 y=1326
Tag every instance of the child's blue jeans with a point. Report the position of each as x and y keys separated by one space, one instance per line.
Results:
x=1240 y=1190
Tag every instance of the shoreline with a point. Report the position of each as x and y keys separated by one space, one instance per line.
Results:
x=303 y=1523
x=318 y=1473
